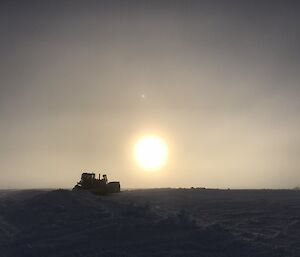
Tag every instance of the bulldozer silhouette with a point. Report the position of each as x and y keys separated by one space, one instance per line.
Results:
x=97 y=186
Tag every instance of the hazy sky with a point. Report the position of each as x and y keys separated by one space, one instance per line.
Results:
x=221 y=80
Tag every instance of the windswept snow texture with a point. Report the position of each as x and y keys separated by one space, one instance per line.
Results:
x=161 y=222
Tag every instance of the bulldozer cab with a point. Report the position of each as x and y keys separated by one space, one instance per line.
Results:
x=87 y=179
x=87 y=176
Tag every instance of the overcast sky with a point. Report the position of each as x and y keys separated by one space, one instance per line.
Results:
x=221 y=81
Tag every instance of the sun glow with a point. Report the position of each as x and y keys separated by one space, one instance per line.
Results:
x=151 y=152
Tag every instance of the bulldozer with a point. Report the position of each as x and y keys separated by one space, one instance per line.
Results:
x=97 y=186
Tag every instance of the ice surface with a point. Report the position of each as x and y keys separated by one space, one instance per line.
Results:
x=158 y=222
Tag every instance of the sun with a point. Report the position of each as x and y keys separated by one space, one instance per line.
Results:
x=151 y=152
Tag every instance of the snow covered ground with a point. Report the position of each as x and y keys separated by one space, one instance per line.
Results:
x=156 y=222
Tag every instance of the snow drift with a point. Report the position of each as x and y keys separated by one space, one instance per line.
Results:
x=164 y=222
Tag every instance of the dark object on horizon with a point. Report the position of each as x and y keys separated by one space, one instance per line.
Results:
x=97 y=186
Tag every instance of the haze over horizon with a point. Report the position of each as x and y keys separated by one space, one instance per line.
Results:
x=82 y=81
